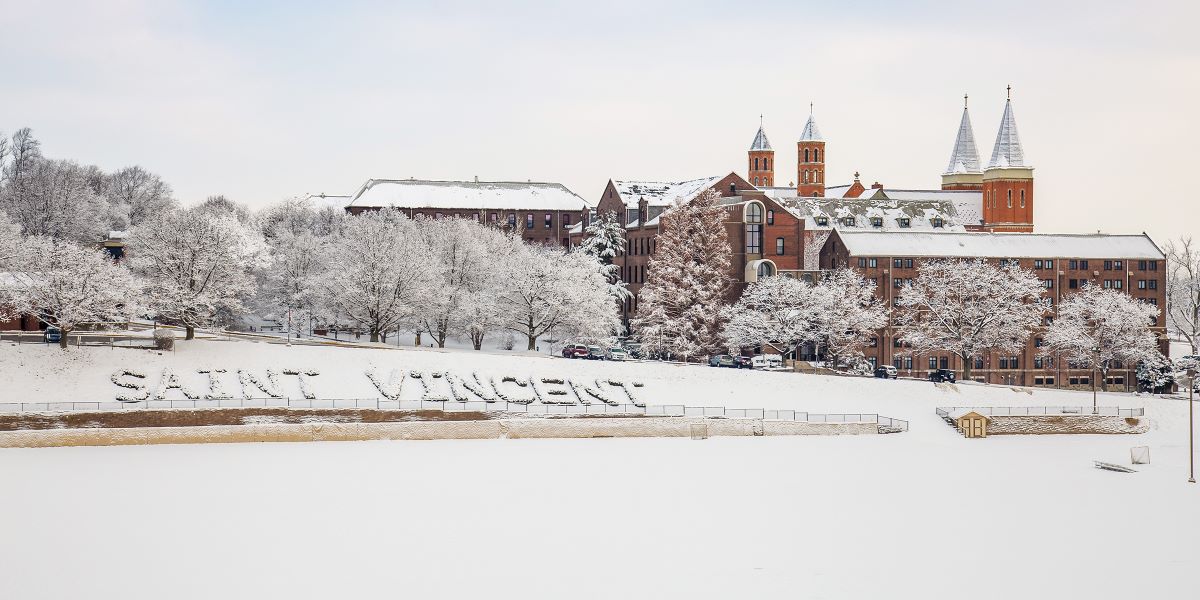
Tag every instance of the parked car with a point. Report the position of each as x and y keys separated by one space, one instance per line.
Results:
x=887 y=372
x=53 y=335
x=634 y=350
x=942 y=375
x=617 y=354
x=743 y=362
x=767 y=361
x=595 y=353
x=575 y=351
x=721 y=360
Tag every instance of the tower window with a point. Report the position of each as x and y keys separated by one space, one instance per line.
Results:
x=1010 y=198
x=756 y=163
x=806 y=155
x=816 y=155
x=1022 y=198
x=766 y=164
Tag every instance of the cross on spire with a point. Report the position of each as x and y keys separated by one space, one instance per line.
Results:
x=1010 y=92
x=964 y=101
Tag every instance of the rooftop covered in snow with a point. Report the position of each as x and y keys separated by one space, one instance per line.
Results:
x=825 y=213
x=662 y=193
x=466 y=195
x=999 y=245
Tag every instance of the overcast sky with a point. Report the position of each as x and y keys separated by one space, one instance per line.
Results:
x=285 y=98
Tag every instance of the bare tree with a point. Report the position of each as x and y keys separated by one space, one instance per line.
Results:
x=134 y=196
x=1183 y=291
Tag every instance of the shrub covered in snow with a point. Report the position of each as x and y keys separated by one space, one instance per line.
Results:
x=164 y=339
x=121 y=379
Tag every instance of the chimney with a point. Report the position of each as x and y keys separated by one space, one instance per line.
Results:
x=877 y=186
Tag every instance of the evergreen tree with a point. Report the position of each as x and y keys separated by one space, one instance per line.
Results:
x=605 y=240
x=686 y=281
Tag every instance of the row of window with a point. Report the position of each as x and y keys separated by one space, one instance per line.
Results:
x=548 y=220
x=640 y=246
x=992 y=199
x=765 y=165
x=633 y=274
x=877 y=222
x=808 y=176
x=816 y=155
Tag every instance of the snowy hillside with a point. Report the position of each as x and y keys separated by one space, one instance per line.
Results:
x=921 y=514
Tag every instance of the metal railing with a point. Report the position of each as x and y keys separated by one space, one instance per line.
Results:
x=650 y=410
x=1025 y=411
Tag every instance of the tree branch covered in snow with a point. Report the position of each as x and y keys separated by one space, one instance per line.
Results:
x=548 y=289
x=604 y=239
x=1183 y=291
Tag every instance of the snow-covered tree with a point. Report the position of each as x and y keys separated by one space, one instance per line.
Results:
x=134 y=196
x=291 y=282
x=969 y=308
x=221 y=205
x=55 y=198
x=1098 y=328
x=848 y=315
x=687 y=278
x=773 y=309
x=380 y=271
x=292 y=216
x=11 y=243
x=198 y=265
x=547 y=289
x=1183 y=291
x=605 y=239
x=1155 y=374
x=462 y=266
x=66 y=286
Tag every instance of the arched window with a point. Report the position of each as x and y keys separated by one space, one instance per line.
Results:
x=754 y=216
x=754 y=212
x=806 y=155
x=1010 y=198
x=817 y=176
x=816 y=155
x=766 y=164
x=755 y=163
x=1022 y=198
x=765 y=270
x=770 y=217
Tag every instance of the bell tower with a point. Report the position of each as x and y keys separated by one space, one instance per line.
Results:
x=1008 y=181
x=810 y=160
x=761 y=160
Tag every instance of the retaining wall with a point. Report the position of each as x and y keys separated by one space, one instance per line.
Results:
x=1051 y=424
x=424 y=430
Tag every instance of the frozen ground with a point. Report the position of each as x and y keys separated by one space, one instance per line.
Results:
x=925 y=514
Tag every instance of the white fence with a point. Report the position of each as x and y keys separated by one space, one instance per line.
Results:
x=1025 y=411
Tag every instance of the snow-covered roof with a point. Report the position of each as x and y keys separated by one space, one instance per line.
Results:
x=118 y=234
x=920 y=214
x=965 y=156
x=999 y=245
x=760 y=140
x=810 y=132
x=662 y=193
x=320 y=201
x=460 y=195
x=1007 y=152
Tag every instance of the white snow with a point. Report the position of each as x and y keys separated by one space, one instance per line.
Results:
x=923 y=514
x=1000 y=245
x=466 y=195
x=660 y=193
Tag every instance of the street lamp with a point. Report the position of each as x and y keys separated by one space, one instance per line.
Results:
x=1095 y=369
x=1191 y=383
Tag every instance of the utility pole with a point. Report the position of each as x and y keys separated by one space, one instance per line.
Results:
x=1191 y=372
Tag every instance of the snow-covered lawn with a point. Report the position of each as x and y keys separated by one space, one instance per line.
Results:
x=923 y=514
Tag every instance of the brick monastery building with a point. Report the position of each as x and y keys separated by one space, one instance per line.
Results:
x=979 y=211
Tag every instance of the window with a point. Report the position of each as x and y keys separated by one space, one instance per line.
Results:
x=1038 y=362
x=1074 y=264
x=770 y=217
x=1048 y=283
x=822 y=221
x=978 y=362
x=945 y=362
x=896 y=342
x=1118 y=283
x=1073 y=283
x=848 y=221
x=932 y=362
x=779 y=248
x=1037 y=264
x=908 y=363
x=549 y=220
x=1022 y=198
x=1118 y=265
x=896 y=263
x=1049 y=263
x=908 y=263
x=872 y=262
x=862 y=263
x=1083 y=264
x=754 y=212
x=529 y=221
x=897 y=362
x=904 y=222
x=753 y=239
x=1152 y=284
x=756 y=165
x=1141 y=265
x=492 y=217
x=1037 y=342
x=1153 y=265
x=512 y=219
x=817 y=155
x=937 y=222
x=1010 y=198
x=876 y=222
x=1108 y=265
x=806 y=155
x=566 y=220
x=874 y=342
x=898 y=282
x=765 y=269
x=1141 y=284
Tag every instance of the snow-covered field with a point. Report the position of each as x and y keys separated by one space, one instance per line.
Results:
x=923 y=514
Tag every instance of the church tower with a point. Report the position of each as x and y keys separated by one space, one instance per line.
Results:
x=810 y=160
x=1008 y=181
x=761 y=163
x=963 y=172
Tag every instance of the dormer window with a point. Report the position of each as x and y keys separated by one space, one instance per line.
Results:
x=938 y=222
x=847 y=221
x=904 y=222
x=876 y=222
x=823 y=221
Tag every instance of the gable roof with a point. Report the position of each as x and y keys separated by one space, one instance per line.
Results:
x=999 y=245
x=460 y=195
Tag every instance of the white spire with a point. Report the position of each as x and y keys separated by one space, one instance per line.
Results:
x=1007 y=152
x=965 y=157
x=760 y=140
x=810 y=133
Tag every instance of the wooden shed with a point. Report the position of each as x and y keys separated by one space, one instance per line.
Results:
x=970 y=423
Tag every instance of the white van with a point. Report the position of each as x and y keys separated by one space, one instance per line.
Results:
x=767 y=361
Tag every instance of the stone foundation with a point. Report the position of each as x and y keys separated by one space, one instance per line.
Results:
x=1052 y=424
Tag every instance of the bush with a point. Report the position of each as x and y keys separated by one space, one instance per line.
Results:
x=164 y=339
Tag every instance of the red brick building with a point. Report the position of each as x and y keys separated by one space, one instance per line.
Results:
x=1064 y=263
x=543 y=212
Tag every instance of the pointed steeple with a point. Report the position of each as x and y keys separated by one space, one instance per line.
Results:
x=965 y=157
x=760 y=140
x=810 y=133
x=1008 y=152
